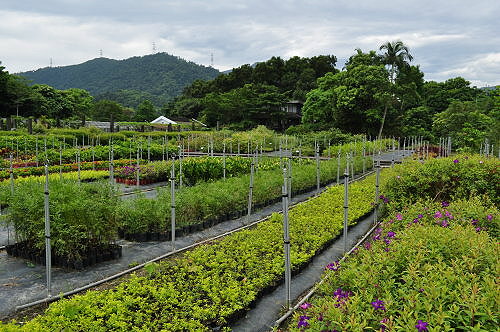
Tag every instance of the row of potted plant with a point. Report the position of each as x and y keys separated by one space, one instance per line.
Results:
x=203 y=205
x=71 y=167
x=213 y=284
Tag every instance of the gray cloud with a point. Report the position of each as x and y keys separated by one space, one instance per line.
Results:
x=447 y=38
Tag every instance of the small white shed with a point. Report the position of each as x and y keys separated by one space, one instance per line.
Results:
x=163 y=120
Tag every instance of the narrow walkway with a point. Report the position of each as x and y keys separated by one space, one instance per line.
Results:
x=270 y=306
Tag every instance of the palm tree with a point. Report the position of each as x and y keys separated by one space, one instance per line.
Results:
x=396 y=56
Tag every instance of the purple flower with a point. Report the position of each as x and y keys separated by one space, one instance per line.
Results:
x=305 y=305
x=333 y=266
x=367 y=245
x=445 y=204
x=438 y=214
x=448 y=214
x=489 y=217
x=303 y=321
x=422 y=326
x=455 y=161
x=474 y=222
x=420 y=216
x=383 y=324
x=387 y=249
x=416 y=220
x=478 y=229
x=376 y=237
x=378 y=305
x=387 y=241
x=320 y=317
x=391 y=234
x=399 y=216
x=444 y=223
x=421 y=290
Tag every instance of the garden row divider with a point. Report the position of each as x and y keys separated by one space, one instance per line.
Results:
x=166 y=255
x=285 y=316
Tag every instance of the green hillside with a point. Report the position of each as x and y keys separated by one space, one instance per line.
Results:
x=159 y=76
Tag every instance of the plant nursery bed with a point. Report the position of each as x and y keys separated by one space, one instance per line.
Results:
x=90 y=256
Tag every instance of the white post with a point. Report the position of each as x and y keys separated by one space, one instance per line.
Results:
x=48 y=257
x=377 y=183
x=346 y=202
x=137 y=170
x=317 y=168
x=11 y=171
x=286 y=241
x=180 y=167
x=250 y=192
x=289 y=188
x=172 y=203
x=111 y=164
x=224 y=161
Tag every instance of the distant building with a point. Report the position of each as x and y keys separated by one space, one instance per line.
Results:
x=163 y=120
x=293 y=106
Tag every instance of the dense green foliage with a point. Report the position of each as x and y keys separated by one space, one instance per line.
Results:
x=433 y=259
x=160 y=75
x=205 y=287
x=415 y=273
x=252 y=95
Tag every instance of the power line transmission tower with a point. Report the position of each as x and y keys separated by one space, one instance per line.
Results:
x=100 y=52
x=154 y=48
x=211 y=59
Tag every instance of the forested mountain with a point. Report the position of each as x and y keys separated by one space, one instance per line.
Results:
x=158 y=77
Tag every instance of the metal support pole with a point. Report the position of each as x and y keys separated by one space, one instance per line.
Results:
x=286 y=241
x=317 y=168
x=137 y=170
x=346 y=202
x=60 y=163
x=112 y=164
x=11 y=171
x=377 y=183
x=172 y=203
x=48 y=257
x=250 y=192
x=224 y=161
x=78 y=163
x=338 y=167
x=180 y=166
x=289 y=187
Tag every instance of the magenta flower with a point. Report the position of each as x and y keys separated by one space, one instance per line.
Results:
x=438 y=214
x=489 y=217
x=305 y=305
x=444 y=223
x=478 y=229
x=448 y=214
x=367 y=245
x=378 y=305
x=399 y=216
x=422 y=326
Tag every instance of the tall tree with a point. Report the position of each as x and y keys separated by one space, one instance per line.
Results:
x=396 y=56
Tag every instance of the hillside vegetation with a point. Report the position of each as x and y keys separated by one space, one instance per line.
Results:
x=159 y=77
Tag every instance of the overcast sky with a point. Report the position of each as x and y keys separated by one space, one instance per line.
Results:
x=447 y=38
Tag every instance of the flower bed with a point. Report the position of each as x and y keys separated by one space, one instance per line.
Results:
x=426 y=268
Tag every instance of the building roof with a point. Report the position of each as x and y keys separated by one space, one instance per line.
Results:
x=163 y=120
